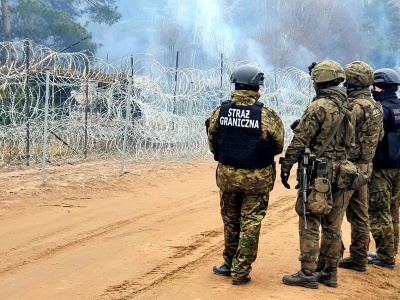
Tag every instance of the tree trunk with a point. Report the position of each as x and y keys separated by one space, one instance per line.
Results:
x=6 y=18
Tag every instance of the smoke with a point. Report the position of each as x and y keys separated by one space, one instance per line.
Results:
x=208 y=23
x=130 y=35
x=241 y=30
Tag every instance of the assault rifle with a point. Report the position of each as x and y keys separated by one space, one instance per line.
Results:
x=306 y=167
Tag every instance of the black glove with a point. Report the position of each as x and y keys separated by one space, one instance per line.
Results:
x=207 y=123
x=294 y=124
x=284 y=179
x=311 y=67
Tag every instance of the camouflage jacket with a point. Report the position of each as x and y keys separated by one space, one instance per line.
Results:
x=315 y=127
x=369 y=126
x=256 y=180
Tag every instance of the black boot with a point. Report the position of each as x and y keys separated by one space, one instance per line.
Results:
x=223 y=270
x=381 y=263
x=328 y=276
x=304 y=277
x=348 y=263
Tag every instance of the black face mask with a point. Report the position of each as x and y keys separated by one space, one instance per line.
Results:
x=383 y=95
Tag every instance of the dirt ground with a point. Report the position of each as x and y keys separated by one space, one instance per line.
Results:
x=154 y=232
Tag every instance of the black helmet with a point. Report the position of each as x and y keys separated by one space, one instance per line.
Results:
x=248 y=75
x=386 y=76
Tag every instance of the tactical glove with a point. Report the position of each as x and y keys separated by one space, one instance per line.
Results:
x=207 y=123
x=285 y=178
x=294 y=124
x=311 y=67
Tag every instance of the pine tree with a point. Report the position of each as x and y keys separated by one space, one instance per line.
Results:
x=56 y=23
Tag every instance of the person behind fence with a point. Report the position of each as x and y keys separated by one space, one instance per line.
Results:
x=318 y=145
x=384 y=186
x=368 y=131
x=244 y=135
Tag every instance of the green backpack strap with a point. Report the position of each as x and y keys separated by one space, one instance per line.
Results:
x=344 y=111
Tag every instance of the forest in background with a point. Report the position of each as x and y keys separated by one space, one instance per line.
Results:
x=274 y=33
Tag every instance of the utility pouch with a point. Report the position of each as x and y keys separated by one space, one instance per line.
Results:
x=319 y=201
x=346 y=175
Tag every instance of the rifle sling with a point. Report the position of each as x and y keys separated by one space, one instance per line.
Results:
x=330 y=136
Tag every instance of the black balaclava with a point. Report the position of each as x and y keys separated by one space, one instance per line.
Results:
x=241 y=86
x=389 y=91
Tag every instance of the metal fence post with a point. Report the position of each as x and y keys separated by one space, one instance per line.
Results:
x=45 y=126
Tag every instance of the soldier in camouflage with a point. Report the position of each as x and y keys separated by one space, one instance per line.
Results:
x=368 y=131
x=244 y=135
x=384 y=186
x=314 y=128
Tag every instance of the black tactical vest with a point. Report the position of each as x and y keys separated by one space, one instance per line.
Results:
x=239 y=140
x=388 y=151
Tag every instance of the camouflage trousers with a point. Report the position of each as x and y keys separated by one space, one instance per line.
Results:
x=329 y=250
x=242 y=215
x=357 y=215
x=384 y=191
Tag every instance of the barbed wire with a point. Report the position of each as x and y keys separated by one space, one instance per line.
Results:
x=87 y=105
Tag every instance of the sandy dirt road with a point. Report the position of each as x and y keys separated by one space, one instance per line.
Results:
x=153 y=232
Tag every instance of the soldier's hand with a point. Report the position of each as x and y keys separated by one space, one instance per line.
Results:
x=294 y=124
x=285 y=178
x=311 y=67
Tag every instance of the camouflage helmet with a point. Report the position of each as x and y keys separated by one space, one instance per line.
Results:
x=248 y=74
x=386 y=76
x=359 y=73
x=327 y=70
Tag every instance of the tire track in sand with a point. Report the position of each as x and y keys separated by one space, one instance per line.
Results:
x=201 y=246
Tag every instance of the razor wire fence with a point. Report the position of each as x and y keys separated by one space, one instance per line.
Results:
x=92 y=112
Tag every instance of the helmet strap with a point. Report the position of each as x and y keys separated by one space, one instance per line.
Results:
x=351 y=87
x=324 y=85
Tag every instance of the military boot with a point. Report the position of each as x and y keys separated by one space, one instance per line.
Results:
x=223 y=270
x=374 y=259
x=304 y=277
x=328 y=276
x=381 y=263
x=348 y=263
